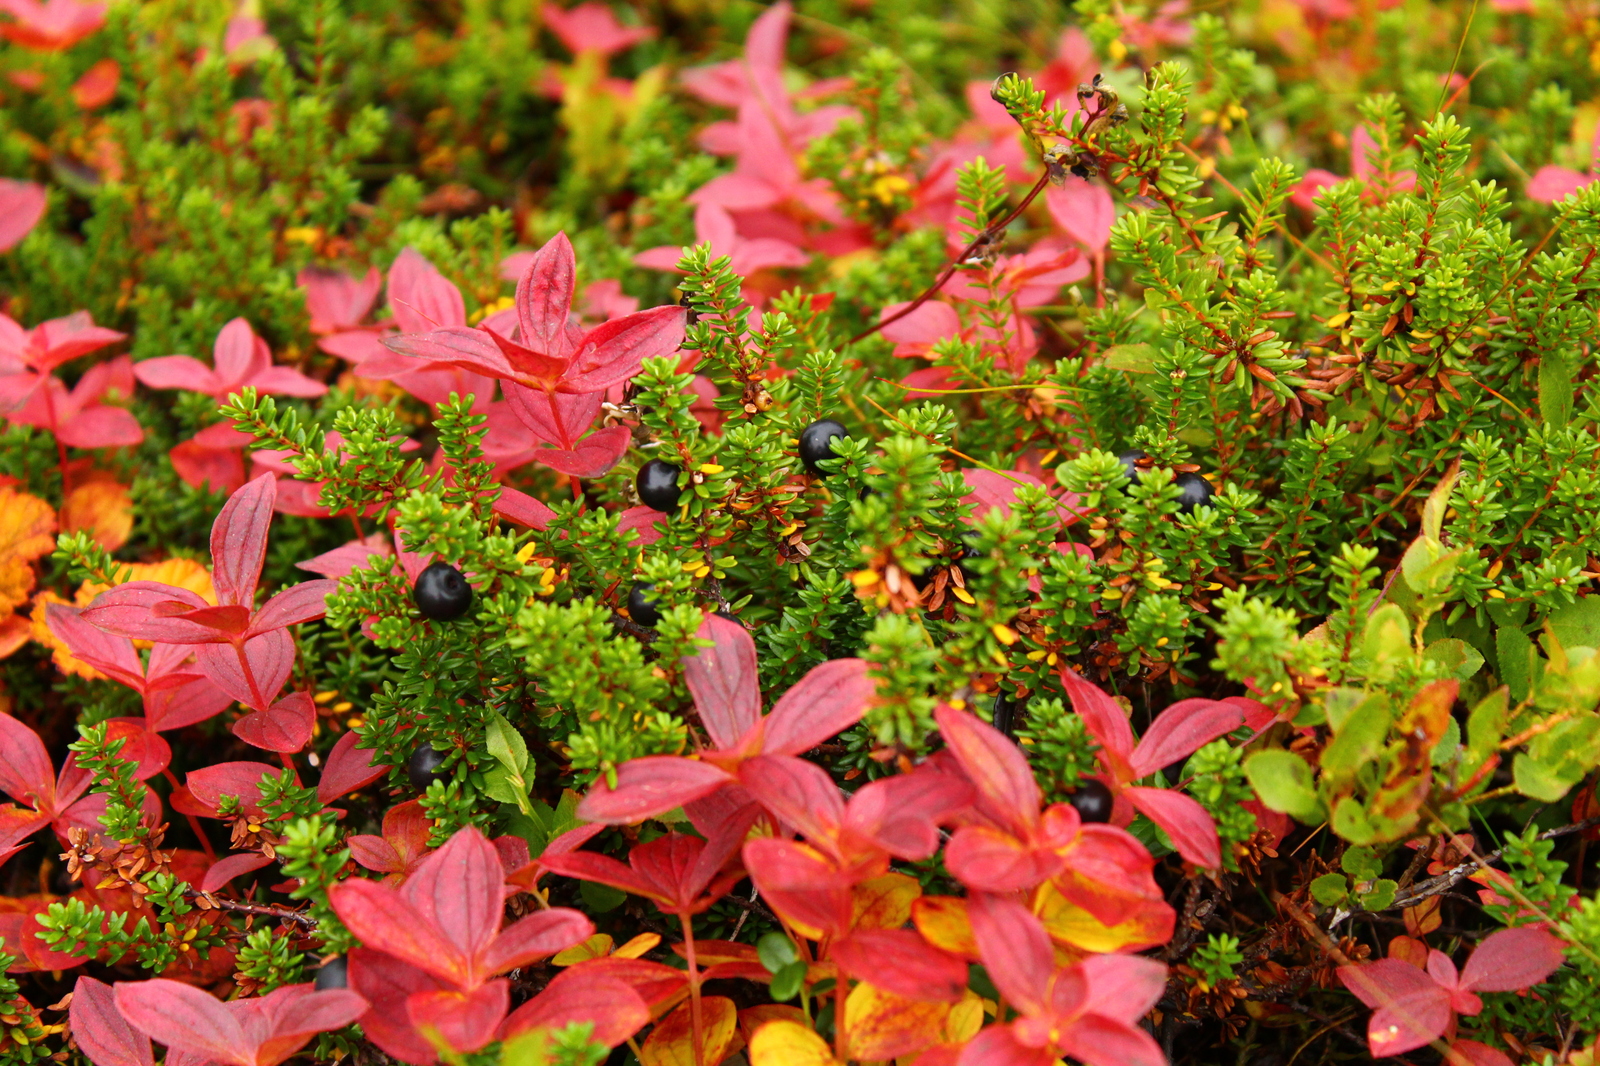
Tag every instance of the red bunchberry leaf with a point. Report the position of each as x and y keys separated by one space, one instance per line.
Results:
x=723 y=681
x=101 y=1030
x=582 y=994
x=347 y=769
x=1509 y=960
x=1409 y=1008
x=226 y=869
x=1191 y=828
x=284 y=727
x=209 y=784
x=22 y=205
x=901 y=962
x=464 y=1020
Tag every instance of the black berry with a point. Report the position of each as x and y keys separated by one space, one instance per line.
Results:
x=641 y=606
x=424 y=767
x=723 y=612
x=816 y=443
x=1092 y=800
x=658 y=484
x=1004 y=715
x=442 y=593
x=1130 y=461
x=1196 y=492
x=335 y=973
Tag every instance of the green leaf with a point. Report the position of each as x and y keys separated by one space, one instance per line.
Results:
x=1519 y=662
x=600 y=898
x=1555 y=390
x=1330 y=890
x=1456 y=655
x=775 y=951
x=1132 y=358
x=505 y=743
x=1350 y=822
x=1284 y=782
x=1360 y=740
x=1577 y=625
x=1379 y=896
x=787 y=981
x=1486 y=725
x=1362 y=864
x=1388 y=634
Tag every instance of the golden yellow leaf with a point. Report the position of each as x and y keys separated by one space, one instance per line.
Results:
x=753 y=1018
x=1073 y=927
x=103 y=509
x=670 y=1043
x=182 y=573
x=596 y=947
x=884 y=902
x=880 y=1025
x=27 y=531
x=636 y=947
x=965 y=1019
x=943 y=922
x=787 y=1043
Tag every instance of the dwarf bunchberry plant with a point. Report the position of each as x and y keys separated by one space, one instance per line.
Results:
x=826 y=534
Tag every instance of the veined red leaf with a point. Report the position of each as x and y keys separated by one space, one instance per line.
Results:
x=995 y=765
x=581 y=994
x=186 y=1018
x=347 y=769
x=1181 y=730
x=650 y=786
x=226 y=869
x=210 y=783
x=284 y=727
x=723 y=681
x=101 y=1030
x=829 y=699
x=1509 y=960
x=465 y=1021
x=1015 y=949
x=901 y=962
x=1193 y=832
x=239 y=541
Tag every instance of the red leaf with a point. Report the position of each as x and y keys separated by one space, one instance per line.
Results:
x=284 y=727
x=185 y=705
x=127 y=611
x=348 y=769
x=100 y=427
x=386 y=982
x=1509 y=960
x=650 y=786
x=592 y=456
x=604 y=870
x=535 y=937
x=800 y=793
x=271 y=658
x=457 y=346
x=1181 y=730
x=1122 y=987
x=1015 y=950
x=298 y=603
x=293 y=1014
x=465 y=1021
x=1100 y=1041
x=523 y=509
x=224 y=870
x=1104 y=720
x=461 y=888
x=724 y=682
x=420 y=297
x=1193 y=832
x=991 y=860
x=613 y=351
x=239 y=541
x=583 y=995
x=901 y=962
x=831 y=698
x=210 y=783
x=26 y=772
x=1410 y=1009
x=101 y=1030
x=998 y=1046
x=1481 y=1054
x=902 y=813
x=384 y=921
x=799 y=884
x=22 y=205
x=995 y=765
x=185 y=1018
x=544 y=299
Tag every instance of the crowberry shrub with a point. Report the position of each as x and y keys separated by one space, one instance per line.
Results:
x=960 y=534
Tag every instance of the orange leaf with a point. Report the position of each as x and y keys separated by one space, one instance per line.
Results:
x=942 y=921
x=13 y=634
x=880 y=1025
x=670 y=1042
x=101 y=508
x=884 y=902
x=786 y=1043
x=182 y=573
x=69 y=664
x=27 y=528
x=1423 y=918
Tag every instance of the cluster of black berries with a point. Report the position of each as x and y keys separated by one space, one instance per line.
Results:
x=1195 y=490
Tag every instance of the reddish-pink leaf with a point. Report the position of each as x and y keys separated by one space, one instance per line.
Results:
x=111 y=655
x=800 y=793
x=535 y=937
x=523 y=509
x=384 y=921
x=650 y=786
x=1104 y=719
x=348 y=769
x=296 y=604
x=215 y=469
x=998 y=1046
x=128 y=611
x=183 y=1017
x=902 y=813
x=613 y=351
x=593 y=456
x=603 y=869
x=100 y=427
x=420 y=297
x=284 y=727
x=101 y=1030
x=1481 y=1054
x=386 y=982
x=185 y=705
x=655 y=982
x=465 y=1021
x=1409 y=1008
x=995 y=765
x=544 y=299
x=1096 y=1040
x=829 y=699
x=1015 y=949
x=336 y=300
x=224 y=870
x=270 y=656
x=1509 y=960
x=239 y=541
x=1193 y=832
x=580 y=995
x=799 y=884
x=210 y=783
x=1181 y=730
x=1122 y=987
x=22 y=205
x=26 y=772
x=375 y=853
x=151 y=753
x=723 y=681
x=460 y=888
x=901 y=962
x=295 y=1013
x=177 y=372
x=459 y=346
x=991 y=860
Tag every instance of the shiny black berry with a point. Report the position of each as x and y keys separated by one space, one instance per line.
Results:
x=424 y=767
x=816 y=443
x=1196 y=492
x=730 y=616
x=658 y=484
x=442 y=593
x=1006 y=711
x=642 y=606
x=1092 y=800
x=335 y=973
x=1130 y=461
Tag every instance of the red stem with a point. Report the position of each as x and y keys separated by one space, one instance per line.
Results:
x=695 y=1020
x=194 y=823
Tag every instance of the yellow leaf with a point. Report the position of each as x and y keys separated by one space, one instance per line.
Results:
x=880 y=1025
x=670 y=1043
x=27 y=527
x=103 y=509
x=596 y=947
x=1072 y=926
x=884 y=902
x=965 y=1019
x=943 y=922
x=787 y=1043
x=181 y=573
x=753 y=1018
x=638 y=946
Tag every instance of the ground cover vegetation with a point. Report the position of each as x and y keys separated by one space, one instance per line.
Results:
x=963 y=534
